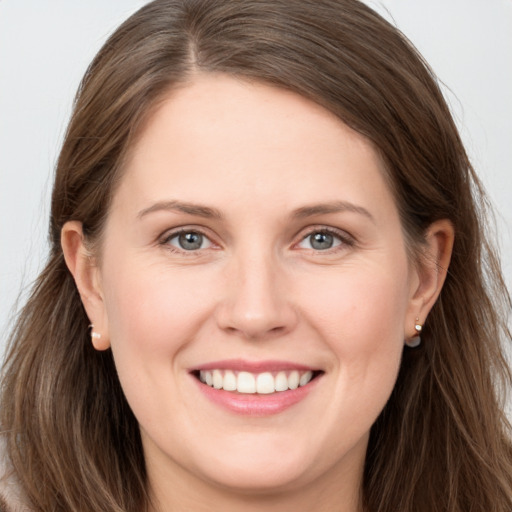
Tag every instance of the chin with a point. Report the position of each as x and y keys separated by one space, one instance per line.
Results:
x=262 y=477
x=261 y=465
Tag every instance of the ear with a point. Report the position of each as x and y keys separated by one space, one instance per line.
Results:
x=86 y=274
x=430 y=273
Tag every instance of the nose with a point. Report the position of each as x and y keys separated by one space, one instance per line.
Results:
x=256 y=304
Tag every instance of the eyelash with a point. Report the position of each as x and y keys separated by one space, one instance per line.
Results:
x=344 y=238
x=165 y=241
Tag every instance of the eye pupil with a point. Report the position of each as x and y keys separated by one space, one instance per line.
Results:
x=190 y=241
x=321 y=241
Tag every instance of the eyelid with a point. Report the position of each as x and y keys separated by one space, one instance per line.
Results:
x=346 y=239
x=169 y=234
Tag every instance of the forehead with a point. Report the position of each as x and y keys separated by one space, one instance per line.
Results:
x=219 y=138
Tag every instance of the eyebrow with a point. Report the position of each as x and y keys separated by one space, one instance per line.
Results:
x=183 y=207
x=212 y=213
x=331 y=207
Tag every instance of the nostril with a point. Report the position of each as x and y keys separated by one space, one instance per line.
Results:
x=256 y=310
x=257 y=329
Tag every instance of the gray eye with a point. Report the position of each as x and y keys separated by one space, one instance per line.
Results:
x=321 y=241
x=189 y=241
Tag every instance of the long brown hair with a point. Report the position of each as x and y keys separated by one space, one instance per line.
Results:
x=442 y=442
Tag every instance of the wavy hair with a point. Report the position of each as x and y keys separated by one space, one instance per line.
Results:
x=442 y=442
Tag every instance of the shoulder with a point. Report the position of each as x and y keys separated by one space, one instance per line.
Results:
x=11 y=495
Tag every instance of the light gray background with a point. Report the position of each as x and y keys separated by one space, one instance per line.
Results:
x=46 y=45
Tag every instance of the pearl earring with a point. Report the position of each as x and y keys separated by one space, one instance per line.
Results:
x=94 y=335
x=415 y=341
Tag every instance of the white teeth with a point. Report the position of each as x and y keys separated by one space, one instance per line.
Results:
x=293 y=380
x=217 y=379
x=265 y=383
x=305 y=378
x=248 y=383
x=281 y=383
x=229 y=381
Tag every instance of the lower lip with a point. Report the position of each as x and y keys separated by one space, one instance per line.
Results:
x=254 y=404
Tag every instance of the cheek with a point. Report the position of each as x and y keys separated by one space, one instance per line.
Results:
x=361 y=316
x=362 y=322
x=359 y=310
x=153 y=313
x=150 y=308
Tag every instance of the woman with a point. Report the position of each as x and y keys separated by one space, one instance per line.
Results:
x=248 y=304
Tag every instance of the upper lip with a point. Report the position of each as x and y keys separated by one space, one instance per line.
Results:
x=242 y=365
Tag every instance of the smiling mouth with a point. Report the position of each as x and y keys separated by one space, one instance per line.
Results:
x=248 y=383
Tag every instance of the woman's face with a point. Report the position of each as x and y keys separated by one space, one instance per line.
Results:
x=254 y=242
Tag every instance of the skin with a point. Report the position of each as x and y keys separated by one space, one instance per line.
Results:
x=256 y=290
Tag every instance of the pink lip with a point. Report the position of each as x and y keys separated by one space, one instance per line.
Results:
x=253 y=366
x=255 y=404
